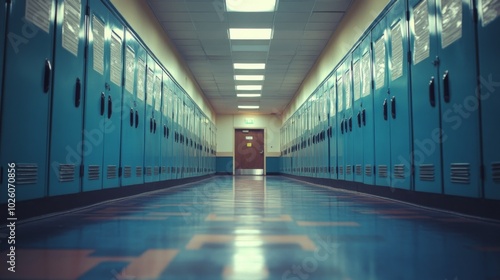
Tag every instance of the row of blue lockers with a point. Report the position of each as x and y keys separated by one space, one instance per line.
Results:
x=86 y=106
x=414 y=105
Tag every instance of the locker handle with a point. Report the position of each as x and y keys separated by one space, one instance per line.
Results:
x=136 y=119
x=164 y=131
x=150 y=125
x=432 y=92
x=385 y=109
x=168 y=132
x=446 y=86
x=110 y=107
x=359 y=119
x=47 y=75
x=78 y=92
x=103 y=98
x=131 y=117
x=393 y=107
x=342 y=126
x=346 y=124
x=364 y=117
x=154 y=129
x=350 y=124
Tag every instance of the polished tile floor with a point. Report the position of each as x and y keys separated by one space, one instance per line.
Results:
x=255 y=228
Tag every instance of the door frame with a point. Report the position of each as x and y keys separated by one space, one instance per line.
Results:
x=234 y=144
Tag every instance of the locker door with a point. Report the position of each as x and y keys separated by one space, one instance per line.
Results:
x=157 y=128
x=166 y=146
x=398 y=100
x=141 y=119
x=381 y=105
x=26 y=95
x=149 y=147
x=334 y=128
x=324 y=132
x=65 y=152
x=341 y=120
x=489 y=77
x=440 y=161
x=348 y=123
x=357 y=124
x=366 y=111
x=132 y=139
x=114 y=104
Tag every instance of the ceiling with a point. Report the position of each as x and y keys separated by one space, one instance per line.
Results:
x=199 y=30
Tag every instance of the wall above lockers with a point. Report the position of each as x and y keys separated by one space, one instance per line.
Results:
x=141 y=19
x=226 y=124
x=356 y=21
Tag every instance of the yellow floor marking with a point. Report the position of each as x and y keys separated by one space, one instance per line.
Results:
x=200 y=239
x=327 y=224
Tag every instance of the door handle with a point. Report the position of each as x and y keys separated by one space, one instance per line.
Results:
x=393 y=107
x=262 y=152
x=103 y=98
x=47 y=75
x=131 y=117
x=78 y=92
x=110 y=107
x=385 y=109
x=136 y=119
x=432 y=92
x=446 y=86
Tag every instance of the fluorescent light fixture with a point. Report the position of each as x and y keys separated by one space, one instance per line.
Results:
x=249 y=77
x=248 y=107
x=250 y=33
x=248 y=94
x=249 y=87
x=250 y=66
x=250 y=5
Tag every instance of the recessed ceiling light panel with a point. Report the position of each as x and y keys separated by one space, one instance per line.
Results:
x=249 y=77
x=250 y=5
x=250 y=66
x=248 y=94
x=250 y=33
x=249 y=87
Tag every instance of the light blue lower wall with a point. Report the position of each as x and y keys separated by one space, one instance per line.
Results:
x=224 y=165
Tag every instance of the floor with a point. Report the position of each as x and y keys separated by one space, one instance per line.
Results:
x=255 y=228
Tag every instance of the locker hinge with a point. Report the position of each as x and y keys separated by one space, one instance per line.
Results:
x=409 y=57
x=82 y=171
x=407 y=15
x=120 y=171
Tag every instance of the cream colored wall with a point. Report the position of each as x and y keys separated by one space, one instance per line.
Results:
x=359 y=17
x=140 y=17
x=226 y=124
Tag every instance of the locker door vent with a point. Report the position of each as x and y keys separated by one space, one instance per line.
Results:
x=368 y=170
x=66 y=172
x=359 y=170
x=399 y=171
x=138 y=171
x=341 y=170
x=94 y=172
x=149 y=171
x=382 y=171
x=127 y=172
x=460 y=173
x=495 y=172
x=163 y=169
x=26 y=173
x=349 y=170
x=111 y=171
x=157 y=170
x=427 y=172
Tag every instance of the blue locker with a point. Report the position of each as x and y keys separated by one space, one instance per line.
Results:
x=153 y=121
x=166 y=146
x=178 y=152
x=449 y=109
x=325 y=157
x=381 y=105
x=132 y=140
x=333 y=125
x=348 y=119
x=357 y=124
x=102 y=118
x=489 y=78
x=65 y=153
x=341 y=121
x=366 y=111
x=26 y=96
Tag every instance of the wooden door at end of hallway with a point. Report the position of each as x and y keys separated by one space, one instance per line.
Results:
x=249 y=151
